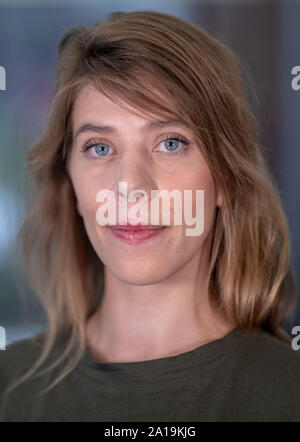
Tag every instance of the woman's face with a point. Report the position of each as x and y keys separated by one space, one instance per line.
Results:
x=146 y=161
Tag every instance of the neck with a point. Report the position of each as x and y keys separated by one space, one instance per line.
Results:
x=136 y=323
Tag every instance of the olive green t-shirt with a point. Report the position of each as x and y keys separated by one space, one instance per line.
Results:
x=241 y=377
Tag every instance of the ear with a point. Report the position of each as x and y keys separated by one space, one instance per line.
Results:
x=219 y=198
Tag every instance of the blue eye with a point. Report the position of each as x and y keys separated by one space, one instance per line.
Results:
x=174 y=141
x=171 y=143
x=100 y=148
x=174 y=144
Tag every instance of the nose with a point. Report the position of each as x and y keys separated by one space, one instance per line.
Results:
x=134 y=177
x=135 y=192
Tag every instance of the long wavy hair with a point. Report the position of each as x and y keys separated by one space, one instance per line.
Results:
x=250 y=273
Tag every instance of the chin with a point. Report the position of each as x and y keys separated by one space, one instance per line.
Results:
x=139 y=276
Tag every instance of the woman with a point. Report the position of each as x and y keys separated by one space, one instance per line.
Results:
x=153 y=324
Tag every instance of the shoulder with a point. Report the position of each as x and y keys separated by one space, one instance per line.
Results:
x=266 y=372
x=17 y=358
x=261 y=349
x=263 y=346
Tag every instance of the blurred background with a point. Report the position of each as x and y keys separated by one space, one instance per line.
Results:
x=265 y=35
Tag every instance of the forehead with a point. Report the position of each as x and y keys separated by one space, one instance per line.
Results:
x=90 y=102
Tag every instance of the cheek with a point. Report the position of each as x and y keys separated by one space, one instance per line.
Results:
x=85 y=192
x=209 y=207
x=198 y=179
x=201 y=179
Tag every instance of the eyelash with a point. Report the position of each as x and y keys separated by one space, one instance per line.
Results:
x=91 y=143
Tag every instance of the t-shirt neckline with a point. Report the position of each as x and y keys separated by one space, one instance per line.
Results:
x=160 y=369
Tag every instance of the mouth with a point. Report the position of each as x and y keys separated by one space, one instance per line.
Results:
x=136 y=234
x=136 y=227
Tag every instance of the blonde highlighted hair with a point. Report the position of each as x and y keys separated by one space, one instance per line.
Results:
x=250 y=274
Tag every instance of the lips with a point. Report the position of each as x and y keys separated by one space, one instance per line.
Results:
x=137 y=227
x=138 y=234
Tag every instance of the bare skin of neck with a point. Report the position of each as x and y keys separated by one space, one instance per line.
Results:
x=139 y=323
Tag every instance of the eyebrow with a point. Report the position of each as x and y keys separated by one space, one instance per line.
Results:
x=149 y=125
